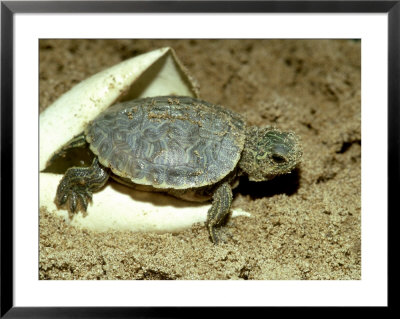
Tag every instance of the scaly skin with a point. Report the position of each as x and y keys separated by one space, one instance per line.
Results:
x=221 y=205
x=269 y=152
x=78 y=184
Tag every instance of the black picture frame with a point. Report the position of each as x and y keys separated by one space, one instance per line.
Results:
x=9 y=8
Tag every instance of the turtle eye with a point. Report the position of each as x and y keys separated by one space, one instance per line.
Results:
x=279 y=159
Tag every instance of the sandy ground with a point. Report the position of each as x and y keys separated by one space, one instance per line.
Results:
x=305 y=225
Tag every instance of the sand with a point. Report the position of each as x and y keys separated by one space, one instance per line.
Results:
x=306 y=225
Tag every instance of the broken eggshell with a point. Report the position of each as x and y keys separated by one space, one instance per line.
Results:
x=116 y=206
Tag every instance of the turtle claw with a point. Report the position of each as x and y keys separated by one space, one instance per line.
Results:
x=83 y=201
x=88 y=194
x=75 y=200
x=76 y=187
x=219 y=234
x=63 y=199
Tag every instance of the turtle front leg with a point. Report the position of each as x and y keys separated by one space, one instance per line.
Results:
x=221 y=204
x=77 y=185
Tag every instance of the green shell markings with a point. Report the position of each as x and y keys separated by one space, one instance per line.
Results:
x=165 y=144
x=186 y=147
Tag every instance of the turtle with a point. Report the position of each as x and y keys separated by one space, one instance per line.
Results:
x=183 y=146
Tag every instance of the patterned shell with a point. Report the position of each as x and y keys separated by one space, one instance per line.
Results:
x=168 y=142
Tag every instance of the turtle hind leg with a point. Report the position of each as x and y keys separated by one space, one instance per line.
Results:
x=219 y=210
x=78 y=184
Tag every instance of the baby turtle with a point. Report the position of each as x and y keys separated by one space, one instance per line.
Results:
x=186 y=147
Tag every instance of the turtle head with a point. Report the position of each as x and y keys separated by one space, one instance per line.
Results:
x=269 y=152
